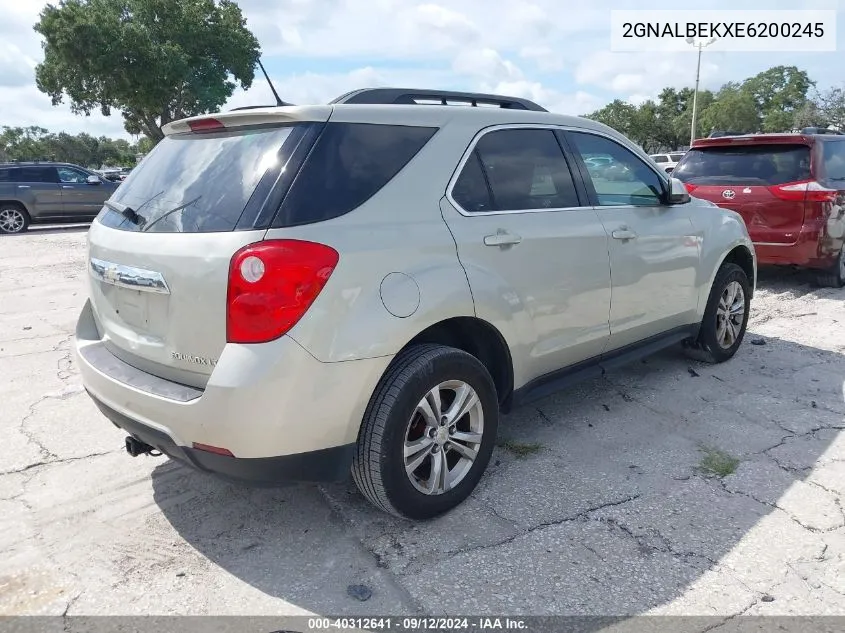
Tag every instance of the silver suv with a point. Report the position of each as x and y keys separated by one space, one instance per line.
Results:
x=291 y=293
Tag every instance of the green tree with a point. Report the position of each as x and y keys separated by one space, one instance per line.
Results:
x=831 y=105
x=778 y=93
x=810 y=115
x=153 y=60
x=732 y=109
x=616 y=114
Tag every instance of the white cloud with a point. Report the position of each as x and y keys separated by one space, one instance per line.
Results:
x=317 y=49
x=485 y=63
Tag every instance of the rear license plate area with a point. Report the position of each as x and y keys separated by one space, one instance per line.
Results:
x=132 y=307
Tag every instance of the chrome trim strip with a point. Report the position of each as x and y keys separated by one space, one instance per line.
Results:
x=128 y=276
x=534 y=126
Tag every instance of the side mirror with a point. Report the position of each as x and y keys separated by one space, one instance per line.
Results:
x=93 y=180
x=678 y=193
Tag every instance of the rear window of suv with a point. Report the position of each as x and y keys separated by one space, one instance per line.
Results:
x=197 y=183
x=764 y=164
x=236 y=179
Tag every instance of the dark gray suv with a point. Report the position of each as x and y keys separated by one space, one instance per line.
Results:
x=49 y=192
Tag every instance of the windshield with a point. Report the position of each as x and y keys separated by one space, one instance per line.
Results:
x=196 y=183
x=763 y=165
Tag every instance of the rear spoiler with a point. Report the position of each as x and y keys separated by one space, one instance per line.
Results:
x=249 y=116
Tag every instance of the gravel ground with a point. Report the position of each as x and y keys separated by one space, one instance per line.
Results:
x=672 y=487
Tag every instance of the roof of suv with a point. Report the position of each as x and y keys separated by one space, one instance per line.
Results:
x=410 y=107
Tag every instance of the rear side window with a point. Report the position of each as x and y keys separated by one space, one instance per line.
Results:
x=675 y=157
x=198 y=183
x=471 y=191
x=348 y=165
x=38 y=174
x=833 y=160
x=660 y=159
x=761 y=165
x=6 y=175
x=524 y=168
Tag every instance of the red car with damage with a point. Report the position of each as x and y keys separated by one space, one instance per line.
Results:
x=789 y=189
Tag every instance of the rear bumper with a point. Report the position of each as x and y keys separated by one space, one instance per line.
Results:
x=328 y=464
x=284 y=415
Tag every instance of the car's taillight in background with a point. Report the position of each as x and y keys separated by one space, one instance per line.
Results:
x=271 y=286
x=690 y=188
x=805 y=190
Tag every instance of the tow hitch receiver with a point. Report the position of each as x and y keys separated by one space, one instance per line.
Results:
x=136 y=447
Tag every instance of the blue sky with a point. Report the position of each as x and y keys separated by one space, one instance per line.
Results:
x=557 y=54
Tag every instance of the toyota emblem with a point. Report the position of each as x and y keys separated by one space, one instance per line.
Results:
x=729 y=194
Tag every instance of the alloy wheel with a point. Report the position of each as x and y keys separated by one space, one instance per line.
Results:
x=443 y=437
x=11 y=220
x=730 y=315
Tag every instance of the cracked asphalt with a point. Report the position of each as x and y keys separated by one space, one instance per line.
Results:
x=597 y=500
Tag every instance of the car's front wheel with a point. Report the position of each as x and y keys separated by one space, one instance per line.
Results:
x=726 y=315
x=13 y=219
x=428 y=432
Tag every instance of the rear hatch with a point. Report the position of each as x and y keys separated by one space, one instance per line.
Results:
x=765 y=183
x=160 y=251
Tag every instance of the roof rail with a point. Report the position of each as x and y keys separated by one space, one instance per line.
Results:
x=415 y=96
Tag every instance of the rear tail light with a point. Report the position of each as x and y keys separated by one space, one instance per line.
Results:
x=205 y=125
x=805 y=190
x=690 y=188
x=272 y=284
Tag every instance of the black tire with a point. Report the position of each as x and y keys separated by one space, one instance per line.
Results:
x=833 y=277
x=20 y=212
x=379 y=467
x=708 y=339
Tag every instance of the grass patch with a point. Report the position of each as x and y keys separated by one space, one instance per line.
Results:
x=520 y=449
x=718 y=463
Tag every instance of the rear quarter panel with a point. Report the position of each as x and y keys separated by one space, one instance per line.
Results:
x=9 y=192
x=398 y=233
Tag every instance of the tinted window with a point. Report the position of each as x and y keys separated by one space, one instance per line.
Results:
x=470 y=190
x=197 y=183
x=349 y=164
x=6 y=175
x=660 y=159
x=833 y=160
x=762 y=165
x=67 y=174
x=675 y=157
x=624 y=179
x=526 y=169
x=38 y=174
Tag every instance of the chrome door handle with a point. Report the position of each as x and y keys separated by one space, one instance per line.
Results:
x=502 y=238
x=23 y=186
x=624 y=234
x=67 y=186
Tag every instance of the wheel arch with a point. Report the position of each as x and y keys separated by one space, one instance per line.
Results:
x=481 y=339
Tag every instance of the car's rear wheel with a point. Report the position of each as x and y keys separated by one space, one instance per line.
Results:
x=13 y=219
x=833 y=277
x=428 y=432
x=726 y=315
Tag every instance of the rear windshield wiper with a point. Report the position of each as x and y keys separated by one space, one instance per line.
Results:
x=126 y=211
x=172 y=211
